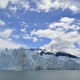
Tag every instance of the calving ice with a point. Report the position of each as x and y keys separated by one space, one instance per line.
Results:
x=37 y=59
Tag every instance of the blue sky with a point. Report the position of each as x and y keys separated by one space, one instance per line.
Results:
x=40 y=23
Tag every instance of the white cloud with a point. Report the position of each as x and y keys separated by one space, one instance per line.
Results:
x=74 y=8
x=26 y=36
x=61 y=39
x=48 y=33
x=16 y=36
x=47 y=5
x=58 y=45
x=9 y=44
x=65 y=23
x=2 y=23
x=6 y=33
x=34 y=39
x=4 y=3
x=13 y=9
x=25 y=4
x=18 y=4
x=25 y=26
x=65 y=46
x=67 y=20
x=29 y=37
x=23 y=30
x=43 y=5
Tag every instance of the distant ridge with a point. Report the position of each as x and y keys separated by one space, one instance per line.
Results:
x=59 y=53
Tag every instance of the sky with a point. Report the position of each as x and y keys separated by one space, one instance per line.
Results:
x=42 y=24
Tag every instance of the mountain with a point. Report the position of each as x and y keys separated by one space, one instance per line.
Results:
x=59 y=53
x=37 y=59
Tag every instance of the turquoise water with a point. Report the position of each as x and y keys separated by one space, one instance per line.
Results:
x=40 y=75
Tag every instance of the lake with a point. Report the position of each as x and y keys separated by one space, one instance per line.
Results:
x=40 y=75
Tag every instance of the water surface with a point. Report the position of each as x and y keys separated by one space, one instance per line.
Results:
x=40 y=75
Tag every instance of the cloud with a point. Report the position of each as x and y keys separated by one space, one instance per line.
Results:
x=23 y=30
x=47 y=5
x=6 y=33
x=34 y=39
x=9 y=44
x=2 y=23
x=25 y=4
x=4 y=3
x=67 y=20
x=25 y=26
x=74 y=8
x=65 y=46
x=26 y=36
x=14 y=5
x=20 y=3
x=48 y=33
x=29 y=37
x=42 y=5
x=13 y=9
x=16 y=36
x=6 y=40
x=63 y=35
x=65 y=23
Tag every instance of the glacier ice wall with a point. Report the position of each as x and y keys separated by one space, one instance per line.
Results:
x=29 y=59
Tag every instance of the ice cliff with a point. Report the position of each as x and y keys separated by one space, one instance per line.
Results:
x=37 y=59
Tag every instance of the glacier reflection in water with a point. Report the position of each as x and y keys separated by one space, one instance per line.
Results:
x=40 y=75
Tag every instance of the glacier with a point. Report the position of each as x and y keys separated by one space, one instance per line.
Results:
x=37 y=59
